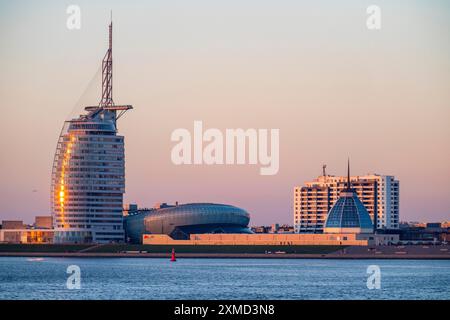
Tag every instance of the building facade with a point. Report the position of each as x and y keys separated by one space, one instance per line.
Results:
x=26 y=236
x=43 y=222
x=348 y=214
x=378 y=193
x=180 y=221
x=88 y=176
x=13 y=225
x=274 y=239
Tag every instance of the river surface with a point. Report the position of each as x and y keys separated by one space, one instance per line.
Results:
x=147 y=278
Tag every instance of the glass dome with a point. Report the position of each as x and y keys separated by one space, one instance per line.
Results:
x=348 y=215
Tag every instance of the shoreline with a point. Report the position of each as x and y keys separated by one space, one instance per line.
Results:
x=336 y=256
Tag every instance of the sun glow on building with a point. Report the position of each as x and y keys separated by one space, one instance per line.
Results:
x=88 y=176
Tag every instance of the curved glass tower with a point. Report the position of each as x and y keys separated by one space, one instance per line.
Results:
x=88 y=176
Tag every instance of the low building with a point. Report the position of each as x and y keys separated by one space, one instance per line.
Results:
x=180 y=221
x=130 y=209
x=26 y=236
x=15 y=231
x=274 y=228
x=260 y=229
x=352 y=239
x=13 y=224
x=286 y=229
x=425 y=233
x=270 y=229
x=43 y=222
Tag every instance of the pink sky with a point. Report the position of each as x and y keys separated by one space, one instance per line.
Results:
x=332 y=87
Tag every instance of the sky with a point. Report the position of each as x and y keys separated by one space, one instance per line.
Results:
x=313 y=70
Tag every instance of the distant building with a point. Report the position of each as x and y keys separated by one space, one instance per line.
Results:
x=432 y=233
x=26 y=235
x=378 y=193
x=274 y=228
x=260 y=229
x=434 y=226
x=348 y=214
x=13 y=224
x=180 y=221
x=15 y=231
x=43 y=222
x=274 y=239
x=286 y=229
x=130 y=209
x=422 y=232
x=415 y=224
x=18 y=232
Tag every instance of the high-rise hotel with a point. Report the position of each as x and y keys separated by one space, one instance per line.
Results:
x=88 y=177
x=378 y=193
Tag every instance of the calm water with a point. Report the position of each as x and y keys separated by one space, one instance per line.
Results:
x=143 y=278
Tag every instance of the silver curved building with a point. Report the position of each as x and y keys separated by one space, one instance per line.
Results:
x=88 y=175
x=182 y=220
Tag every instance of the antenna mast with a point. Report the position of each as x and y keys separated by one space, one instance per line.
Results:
x=348 y=174
x=107 y=103
x=107 y=100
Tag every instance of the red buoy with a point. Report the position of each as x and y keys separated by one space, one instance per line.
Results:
x=173 y=255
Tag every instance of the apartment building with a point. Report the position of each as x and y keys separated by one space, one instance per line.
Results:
x=378 y=193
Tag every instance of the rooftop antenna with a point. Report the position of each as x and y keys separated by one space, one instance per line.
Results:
x=106 y=103
x=348 y=174
x=324 y=172
x=107 y=85
x=110 y=32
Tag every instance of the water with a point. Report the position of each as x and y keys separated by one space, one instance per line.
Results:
x=145 y=278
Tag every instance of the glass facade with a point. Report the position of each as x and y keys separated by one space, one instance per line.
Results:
x=88 y=182
x=349 y=212
x=182 y=220
x=88 y=176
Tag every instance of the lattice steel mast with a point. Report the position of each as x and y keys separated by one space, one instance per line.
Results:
x=107 y=102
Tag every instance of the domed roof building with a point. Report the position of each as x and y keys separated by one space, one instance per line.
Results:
x=348 y=214
x=180 y=221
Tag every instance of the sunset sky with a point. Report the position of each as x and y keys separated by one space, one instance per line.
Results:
x=313 y=70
